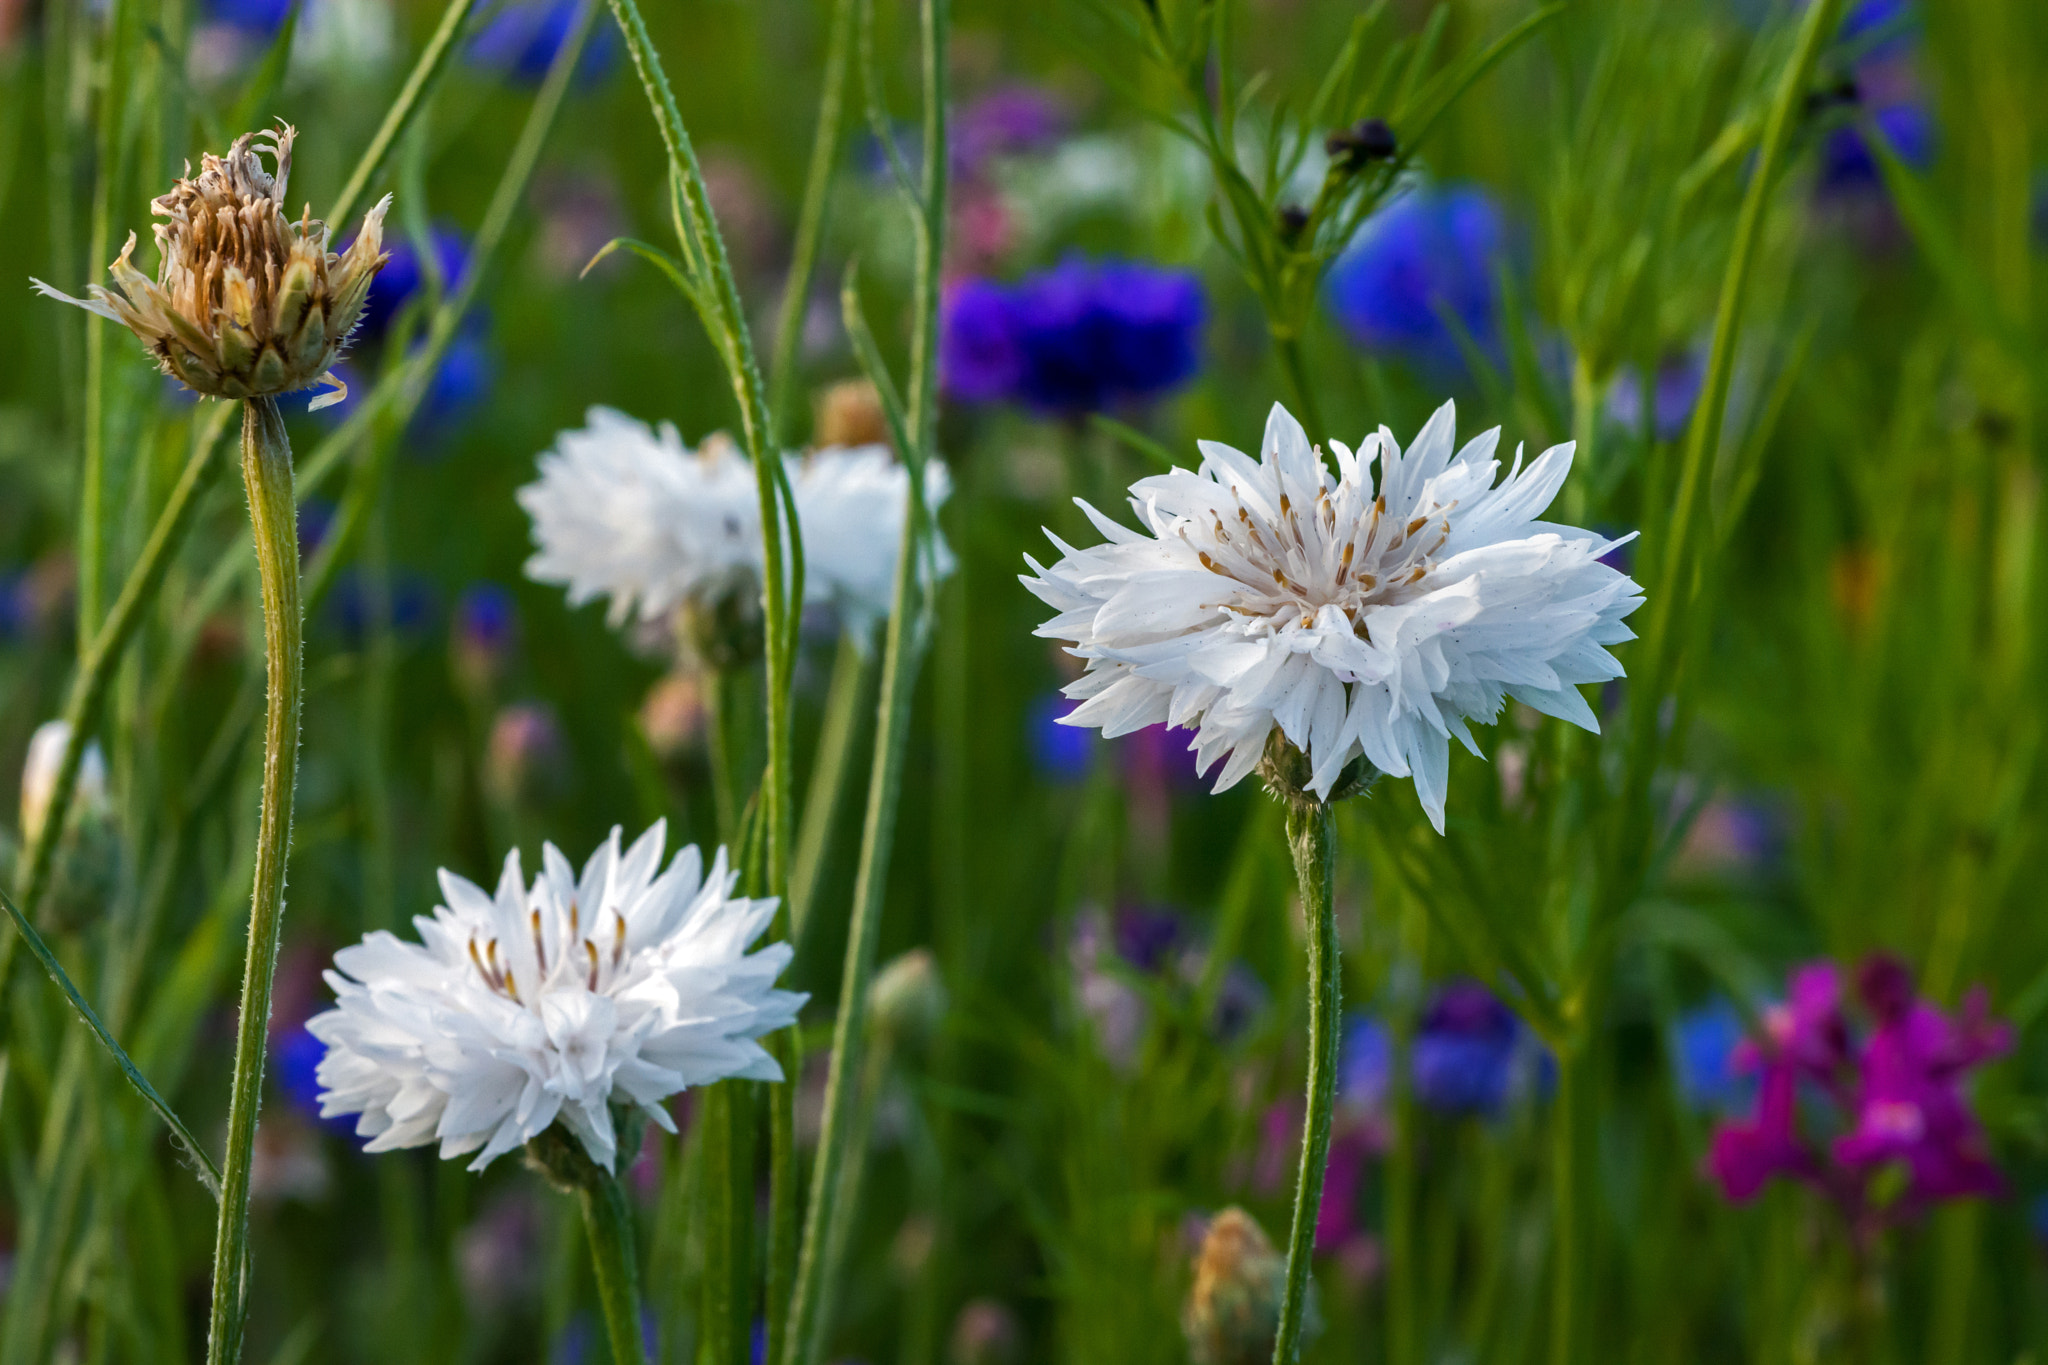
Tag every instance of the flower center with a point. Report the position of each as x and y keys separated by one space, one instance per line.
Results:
x=1288 y=569
x=567 y=954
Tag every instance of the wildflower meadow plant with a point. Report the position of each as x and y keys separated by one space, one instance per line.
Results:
x=1660 y=798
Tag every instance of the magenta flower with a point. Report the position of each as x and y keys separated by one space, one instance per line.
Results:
x=1893 y=1101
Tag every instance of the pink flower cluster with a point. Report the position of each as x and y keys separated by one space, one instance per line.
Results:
x=1839 y=1112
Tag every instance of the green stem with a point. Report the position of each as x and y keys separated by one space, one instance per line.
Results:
x=1568 y=1251
x=610 y=1225
x=853 y=676
x=1294 y=368
x=96 y=669
x=810 y=229
x=273 y=514
x=399 y=397
x=824 y=1236
x=426 y=73
x=726 y=1112
x=1315 y=866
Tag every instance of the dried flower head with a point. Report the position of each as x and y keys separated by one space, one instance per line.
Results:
x=1233 y=1308
x=246 y=302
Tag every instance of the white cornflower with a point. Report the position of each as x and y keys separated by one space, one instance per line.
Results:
x=554 y=1003
x=851 y=502
x=627 y=512
x=1359 y=615
x=39 y=778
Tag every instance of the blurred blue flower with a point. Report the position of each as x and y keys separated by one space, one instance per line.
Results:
x=1880 y=28
x=1365 y=1063
x=1145 y=935
x=1466 y=1053
x=316 y=518
x=579 y=1342
x=16 y=613
x=1060 y=753
x=486 y=619
x=521 y=40
x=1419 y=264
x=351 y=605
x=258 y=18
x=295 y=1061
x=1703 y=1055
x=405 y=274
x=1847 y=163
x=1081 y=337
x=460 y=384
x=1675 y=390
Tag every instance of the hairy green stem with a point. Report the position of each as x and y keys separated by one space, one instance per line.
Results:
x=273 y=514
x=610 y=1225
x=1315 y=866
x=89 y=690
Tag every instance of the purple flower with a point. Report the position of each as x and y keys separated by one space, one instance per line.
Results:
x=1005 y=122
x=1081 y=337
x=1419 y=266
x=1343 y=1175
x=1910 y=1106
x=1465 y=1054
x=520 y=43
x=1746 y=1153
x=1893 y=1101
x=16 y=612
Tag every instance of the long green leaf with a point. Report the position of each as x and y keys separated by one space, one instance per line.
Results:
x=209 y=1174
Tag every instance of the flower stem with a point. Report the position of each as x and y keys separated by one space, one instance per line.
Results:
x=610 y=1225
x=267 y=471
x=1294 y=368
x=1315 y=866
x=1567 y=1229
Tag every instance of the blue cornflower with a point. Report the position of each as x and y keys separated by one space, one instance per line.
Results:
x=15 y=613
x=1060 y=753
x=1675 y=389
x=1848 y=164
x=1703 y=1055
x=405 y=274
x=411 y=605
x=1081 y=337
x=295 y=1062
x=486 y=618
x=460 y=383
x=1365 y=1063
x=521 y=40
x=1146 y=935
x=258 y=18
x=1465 y=1054
x=1423 y=262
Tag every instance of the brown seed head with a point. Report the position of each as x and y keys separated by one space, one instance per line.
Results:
x=246 y=302
x=850 y=414
x=1233 y=1310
